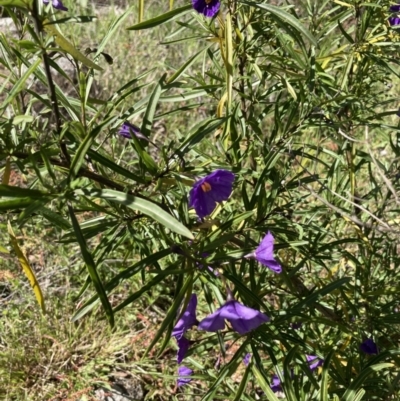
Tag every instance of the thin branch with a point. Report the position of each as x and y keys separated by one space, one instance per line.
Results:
x=53 y=97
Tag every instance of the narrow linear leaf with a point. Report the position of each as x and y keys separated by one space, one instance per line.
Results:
x=228 y=61
x=171 y=314
x=185 y=66
x=151 y=108
x=7 y=171
x=69 y=47
x=30 y=274
x=16 y=192
x=285 y=17
x=146 y=207
x=19 y=85
x=325 y=377
x=90 y=264
x=350 y=393
x=263 y=384
x=16 y=3
x=119 y=278
x=161 y=19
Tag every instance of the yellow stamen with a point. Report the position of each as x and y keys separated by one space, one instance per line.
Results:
x=208 y=1
x=206 y=187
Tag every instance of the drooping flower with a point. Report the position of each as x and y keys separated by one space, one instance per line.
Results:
x=215 y=187
x=127 y=129
x=183 y=346
x=369 y=347
x=187 y=320
x=276 y=384
x=314 y=361
x=56 y=4
x=246 y=359
x=394 y=21
x=206 y=7
x=265 y=254
x=183 y=372
x=242 y=318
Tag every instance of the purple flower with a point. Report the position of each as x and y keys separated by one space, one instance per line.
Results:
x=215 y=187
x=394 y=20
x=206 y=7
x=369 y=347
x=182 y=372
x=127 y=129
x=314 y=361
x=56 y=4
x=187 y=320
x=296 y=325
x=265 y=254
x=395 y=8
x=183 y=344
x=242 y=318
x=246 y=359
x=276 y=384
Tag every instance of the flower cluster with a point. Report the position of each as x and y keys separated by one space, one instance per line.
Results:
x=205 y=193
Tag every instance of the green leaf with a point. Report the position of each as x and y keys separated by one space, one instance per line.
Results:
x=171 y=314
x=19 y=85
x=355 y=385
x=16 y=192
x=146 y=207
x=80 y=154
x=161 y=19
x=263 y=384
x=227 y=370
x=119 y=278
x=325 y=377
x=185 y=66
x=310 y=299
x=285 y=17
x=91 y=266
x=16 y=3
x=148 y=117
x=15 y=204
x=69 y=47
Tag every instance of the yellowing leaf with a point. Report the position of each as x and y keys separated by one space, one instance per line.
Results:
x=27 y=268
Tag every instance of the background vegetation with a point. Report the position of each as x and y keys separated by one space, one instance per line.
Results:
x=298 y=99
